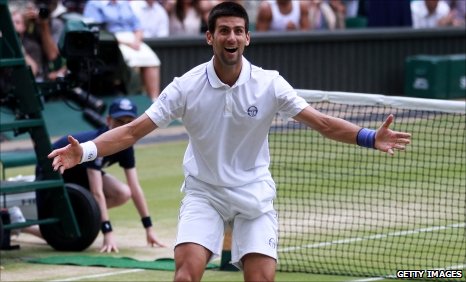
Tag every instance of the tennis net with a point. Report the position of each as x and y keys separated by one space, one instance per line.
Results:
x=353 y=211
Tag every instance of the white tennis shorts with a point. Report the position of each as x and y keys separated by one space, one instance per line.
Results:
x=144 y=57
x=207 y=209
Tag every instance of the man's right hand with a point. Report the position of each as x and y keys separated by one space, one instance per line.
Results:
x=66 y=157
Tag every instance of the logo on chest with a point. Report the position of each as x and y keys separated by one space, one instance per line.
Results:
x=252 y=111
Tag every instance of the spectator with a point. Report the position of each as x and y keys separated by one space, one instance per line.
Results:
x=351 y=7
x=340 y=11
x=252 y=8
x=43 y=28
x=118 y=18
x=282 y=15
x=458 y=9
x=321 y=15
x=57 y=65
x=431 y=14
x=187 y=17
x=153 y=18
x=20 y=28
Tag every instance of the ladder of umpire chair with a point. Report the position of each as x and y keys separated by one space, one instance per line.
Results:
x=18 y=94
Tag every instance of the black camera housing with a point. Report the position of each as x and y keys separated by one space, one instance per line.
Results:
x=44 y=11
x=44 y=8
x=78 y=44
x=78 y=40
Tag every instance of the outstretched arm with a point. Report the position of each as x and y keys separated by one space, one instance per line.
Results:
x=108 y=143
x=386 y=140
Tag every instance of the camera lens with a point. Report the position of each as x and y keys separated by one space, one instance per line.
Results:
x=87 y=100
x=94 y=118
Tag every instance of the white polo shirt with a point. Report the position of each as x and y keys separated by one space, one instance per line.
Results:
x=227 y=126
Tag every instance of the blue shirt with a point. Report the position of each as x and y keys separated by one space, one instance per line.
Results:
x=124 y=158
x=116 y=17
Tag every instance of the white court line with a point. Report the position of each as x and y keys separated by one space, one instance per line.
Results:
x=318 y=245
x=373 y=237
x=99 y=275
x=368 y=279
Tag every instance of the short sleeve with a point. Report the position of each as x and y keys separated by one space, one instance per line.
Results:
x=169 y=106
x=289 y=102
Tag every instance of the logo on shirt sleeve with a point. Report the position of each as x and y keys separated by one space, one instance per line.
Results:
x=272 y=243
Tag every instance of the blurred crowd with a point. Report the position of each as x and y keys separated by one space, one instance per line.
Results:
x=39 y=23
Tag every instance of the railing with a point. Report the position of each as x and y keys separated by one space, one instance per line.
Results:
x=352 y=60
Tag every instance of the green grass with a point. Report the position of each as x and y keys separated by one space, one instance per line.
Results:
x=160 y=170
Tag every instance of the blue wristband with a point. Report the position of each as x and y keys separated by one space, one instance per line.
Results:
x=366 y=138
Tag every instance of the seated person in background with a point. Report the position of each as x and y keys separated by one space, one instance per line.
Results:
x=321 y=16
x=282 y=15
x=153 y=18
x=458 y=8
x=340 y=10
x=187 y=17
x=431 y=14
x=108 y=191
x=118 y=18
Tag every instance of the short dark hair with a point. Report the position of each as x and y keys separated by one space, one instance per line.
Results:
x=227 y=9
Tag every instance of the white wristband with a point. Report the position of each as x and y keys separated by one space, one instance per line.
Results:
x=89 y=151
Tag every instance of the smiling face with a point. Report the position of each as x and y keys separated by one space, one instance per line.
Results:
x=228 y=41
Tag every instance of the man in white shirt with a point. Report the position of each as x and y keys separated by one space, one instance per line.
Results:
x=282 y=15
x=227 y=106
x=153 y=18
x=430 y=13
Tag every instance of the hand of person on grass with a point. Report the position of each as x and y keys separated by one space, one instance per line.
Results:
x=66 y=157
x=109 y=244
x=387 y=140
x=152 y=239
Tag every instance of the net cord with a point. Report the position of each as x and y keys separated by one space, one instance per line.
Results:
x=399 y=102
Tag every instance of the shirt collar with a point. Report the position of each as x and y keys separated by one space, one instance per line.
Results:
x=215 y=81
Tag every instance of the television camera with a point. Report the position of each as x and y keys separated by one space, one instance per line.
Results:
x=78 y=45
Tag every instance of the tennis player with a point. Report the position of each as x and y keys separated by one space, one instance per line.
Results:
x=227 y=106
